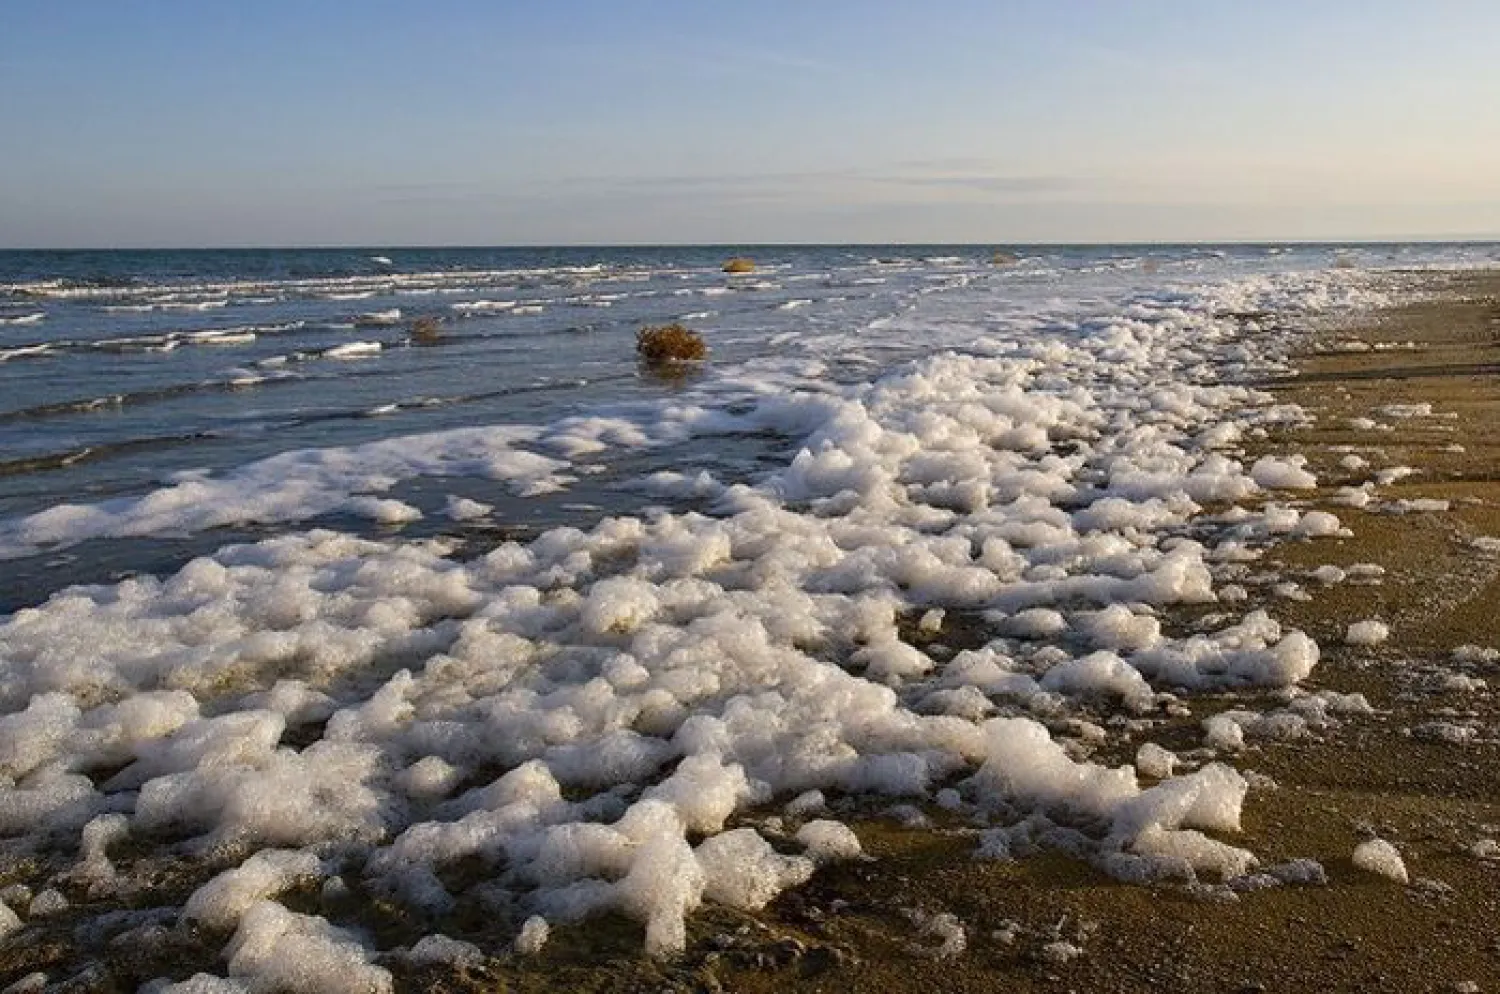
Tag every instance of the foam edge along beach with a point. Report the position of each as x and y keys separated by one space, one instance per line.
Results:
x=1375 y=817
x=976 y=576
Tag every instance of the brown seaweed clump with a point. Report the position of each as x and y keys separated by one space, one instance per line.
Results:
x=426 y=331
x=669 y=343
x=739 y=264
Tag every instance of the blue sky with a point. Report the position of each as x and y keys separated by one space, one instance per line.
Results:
x=205 y=122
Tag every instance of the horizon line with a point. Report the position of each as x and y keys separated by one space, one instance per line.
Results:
x=1384 y=240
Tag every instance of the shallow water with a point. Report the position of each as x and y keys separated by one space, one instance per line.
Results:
x=119 y=370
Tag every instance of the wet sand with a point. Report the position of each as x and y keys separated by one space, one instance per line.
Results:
x=1053 y=923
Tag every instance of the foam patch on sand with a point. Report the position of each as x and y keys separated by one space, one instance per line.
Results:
x=579 y=721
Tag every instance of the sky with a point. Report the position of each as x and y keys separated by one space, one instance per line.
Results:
x=193 y=123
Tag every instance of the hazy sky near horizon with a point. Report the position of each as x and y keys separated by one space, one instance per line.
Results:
x=312 y=122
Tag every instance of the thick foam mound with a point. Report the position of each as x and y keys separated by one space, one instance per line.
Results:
x=223 y=901
x=1371 y=631
x=1379 y=857
x=276 y=949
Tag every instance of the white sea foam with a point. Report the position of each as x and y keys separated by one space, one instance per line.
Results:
x=25 y=352
x=1379 y=857
x=483 y=306
x=1371 y=631
x=463 y=509
x=1283 y=474
x=383 y=318
x=586 y=715
x=353 y=350
x=227 y=337
x=292 y=486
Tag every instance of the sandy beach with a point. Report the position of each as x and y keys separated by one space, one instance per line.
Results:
x=1420 y=771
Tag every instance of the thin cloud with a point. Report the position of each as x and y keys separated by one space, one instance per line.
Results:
x=982 y=183
x=988 y=183
x=974 y=181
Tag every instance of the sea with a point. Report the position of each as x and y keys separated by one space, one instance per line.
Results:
x=124 y=371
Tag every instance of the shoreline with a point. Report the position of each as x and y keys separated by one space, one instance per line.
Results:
x=1402 y=772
